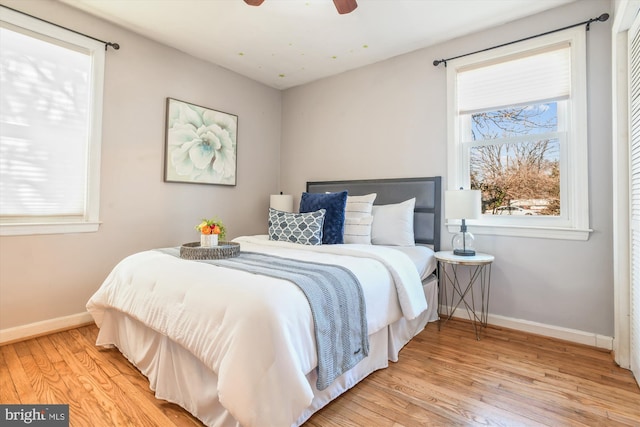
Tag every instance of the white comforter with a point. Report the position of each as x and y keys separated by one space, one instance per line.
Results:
x=254 y=332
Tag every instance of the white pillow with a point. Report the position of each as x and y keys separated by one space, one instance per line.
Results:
x=359 y=206
x=393 y=224
x=358 y=229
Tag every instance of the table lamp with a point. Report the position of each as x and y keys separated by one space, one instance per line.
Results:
x=281 y=202
x=463 y=204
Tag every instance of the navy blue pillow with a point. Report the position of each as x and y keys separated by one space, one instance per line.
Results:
x=334 y=204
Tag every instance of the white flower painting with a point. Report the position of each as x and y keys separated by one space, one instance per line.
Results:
x=201 y=144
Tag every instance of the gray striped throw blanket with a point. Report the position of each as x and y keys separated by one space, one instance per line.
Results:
x=337 y=306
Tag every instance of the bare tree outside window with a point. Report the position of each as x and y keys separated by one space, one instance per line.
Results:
x=515 y=159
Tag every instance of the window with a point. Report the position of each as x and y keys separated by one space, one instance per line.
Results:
x=517 y=132
x=50 y=127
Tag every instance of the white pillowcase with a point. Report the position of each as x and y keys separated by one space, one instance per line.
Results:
x=393 y=224
x=359 y=206
x=358 y=229
x=358 y=219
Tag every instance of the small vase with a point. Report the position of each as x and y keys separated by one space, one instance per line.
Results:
x=208 y=240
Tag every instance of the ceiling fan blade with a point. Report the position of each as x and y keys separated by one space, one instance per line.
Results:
x=345 y=6
x=253 y=2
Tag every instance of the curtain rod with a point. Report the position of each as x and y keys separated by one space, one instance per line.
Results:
x=115 y=46
x=588 y=22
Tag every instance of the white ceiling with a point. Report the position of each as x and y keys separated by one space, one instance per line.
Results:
x=285 y=43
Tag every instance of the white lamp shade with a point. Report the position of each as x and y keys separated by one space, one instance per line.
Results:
x=463 y=204
x=281 y=202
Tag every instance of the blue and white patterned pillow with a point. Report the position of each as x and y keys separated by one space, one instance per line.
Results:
x=303 y=228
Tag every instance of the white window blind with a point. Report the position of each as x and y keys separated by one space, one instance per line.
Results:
x=535 y=78
x=634 y=202
x=50 y=116
x=43 y=145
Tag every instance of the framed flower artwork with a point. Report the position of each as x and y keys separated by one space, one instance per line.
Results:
x=200 y=144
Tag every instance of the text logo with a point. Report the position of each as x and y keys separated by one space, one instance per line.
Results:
x=34 y=415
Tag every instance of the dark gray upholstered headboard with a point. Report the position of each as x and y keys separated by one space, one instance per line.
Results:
x=427 y=191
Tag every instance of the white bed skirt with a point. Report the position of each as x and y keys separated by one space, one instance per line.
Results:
x=177 y=376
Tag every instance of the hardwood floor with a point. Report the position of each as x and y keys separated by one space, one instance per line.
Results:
x=443 y=378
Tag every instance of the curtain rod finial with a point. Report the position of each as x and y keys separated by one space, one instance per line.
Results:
x=603 y=17
x=439 y=61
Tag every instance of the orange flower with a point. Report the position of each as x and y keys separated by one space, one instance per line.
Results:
x=212 y=226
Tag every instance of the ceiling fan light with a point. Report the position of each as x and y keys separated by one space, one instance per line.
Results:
x=253 y=2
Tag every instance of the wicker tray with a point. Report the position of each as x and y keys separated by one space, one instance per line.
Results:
x=223 y=250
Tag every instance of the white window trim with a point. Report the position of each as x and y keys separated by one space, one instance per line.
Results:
x=90 y=222
x=48 y=228
x=574 y=225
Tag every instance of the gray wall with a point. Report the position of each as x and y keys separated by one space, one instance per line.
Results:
x=382 y=121
x=48 y=276
x=389 y=120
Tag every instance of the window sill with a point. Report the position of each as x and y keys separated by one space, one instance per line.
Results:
x=24 y=229
x=526 y=231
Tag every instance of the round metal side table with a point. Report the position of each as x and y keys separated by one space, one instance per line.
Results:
x=453 y=281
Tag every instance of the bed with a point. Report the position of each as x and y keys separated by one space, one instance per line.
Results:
x=238 y=348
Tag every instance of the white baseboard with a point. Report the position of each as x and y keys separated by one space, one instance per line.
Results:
x=67 y=322
x=31 y=330
x=573 y=335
